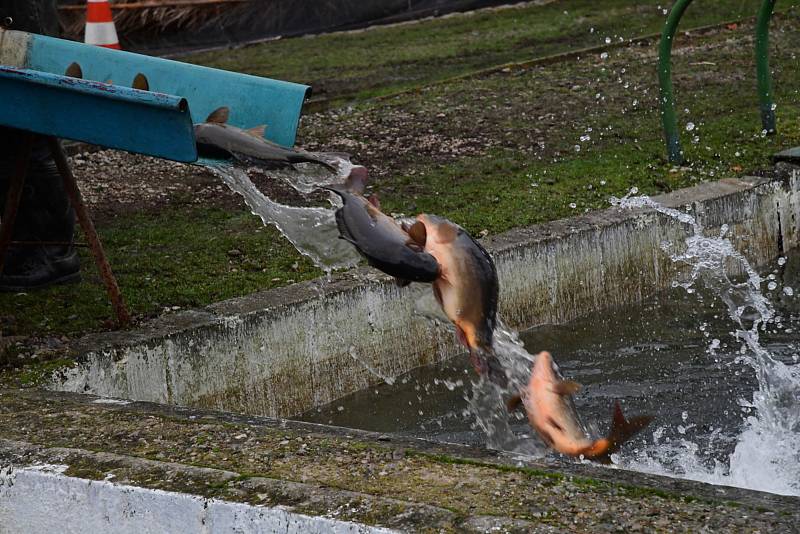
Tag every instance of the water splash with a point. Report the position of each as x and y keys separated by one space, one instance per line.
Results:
x=767 y=453
x=308 y=177
x=312 y=230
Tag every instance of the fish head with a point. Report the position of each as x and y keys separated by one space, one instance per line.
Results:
x=438 y=230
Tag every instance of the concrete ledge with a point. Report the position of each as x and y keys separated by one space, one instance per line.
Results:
x=149 y=461
x=284 y=351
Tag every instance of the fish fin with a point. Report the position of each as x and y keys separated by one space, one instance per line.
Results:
x=486 y=363
x=219 y=115
x=74 y=70
x=400 y=282
x=140 y=82
x=514 y=402
x=356 y=181
x=418 y=233
x=566 y=387
x=621 y=431
x=373 y=199
x=257 y=131
x=462 y=338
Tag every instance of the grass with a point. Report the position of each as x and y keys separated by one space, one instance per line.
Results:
x=179 y=258
x=189 y=256
x=358 y=65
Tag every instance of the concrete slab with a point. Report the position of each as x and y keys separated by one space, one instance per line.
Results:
x=284 y=351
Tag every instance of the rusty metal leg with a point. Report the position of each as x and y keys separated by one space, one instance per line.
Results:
x=87 y=226
x=14 y=196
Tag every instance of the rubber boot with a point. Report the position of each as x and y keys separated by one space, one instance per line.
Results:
x=45 y=214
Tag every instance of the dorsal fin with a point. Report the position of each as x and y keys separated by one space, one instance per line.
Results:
x=357 y=179
x=140 y=82
x=257 y=131
x=219 y=115
x=566 y=387
x=74 y=70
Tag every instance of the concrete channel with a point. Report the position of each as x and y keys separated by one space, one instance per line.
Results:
x=281 y=352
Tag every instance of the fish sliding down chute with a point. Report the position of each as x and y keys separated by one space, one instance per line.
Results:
x=378 y=237
x=216 y=139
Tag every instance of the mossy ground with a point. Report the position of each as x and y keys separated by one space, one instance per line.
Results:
x=491 y=152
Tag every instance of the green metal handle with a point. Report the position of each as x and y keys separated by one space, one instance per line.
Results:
x=668 y=119
x=763 y=76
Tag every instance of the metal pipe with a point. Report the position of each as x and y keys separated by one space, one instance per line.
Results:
x=763 y=76
x=71 y=187
x=671 y=135
x=14 y=196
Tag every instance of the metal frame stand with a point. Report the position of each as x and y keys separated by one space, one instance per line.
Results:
x=74 y=194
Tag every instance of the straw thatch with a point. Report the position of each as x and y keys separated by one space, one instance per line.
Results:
x=138 y=19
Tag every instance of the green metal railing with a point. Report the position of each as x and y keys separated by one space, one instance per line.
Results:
x=762 y=67
x=667 y=100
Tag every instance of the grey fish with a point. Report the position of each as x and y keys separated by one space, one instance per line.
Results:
x=378 y=237
x=219 y=140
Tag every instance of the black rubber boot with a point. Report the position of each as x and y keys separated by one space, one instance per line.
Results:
x=45 y=214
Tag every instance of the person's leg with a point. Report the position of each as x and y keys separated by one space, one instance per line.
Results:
x=45 y=213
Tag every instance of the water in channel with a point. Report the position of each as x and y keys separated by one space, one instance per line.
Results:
x=715 y=360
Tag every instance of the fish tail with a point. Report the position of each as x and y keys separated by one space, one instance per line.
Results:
x=621 y=431
x=306 y=158
x=486 y=363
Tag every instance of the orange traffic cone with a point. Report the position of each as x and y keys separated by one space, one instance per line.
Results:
x=100 y=28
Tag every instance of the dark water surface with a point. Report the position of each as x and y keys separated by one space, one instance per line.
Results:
x=674 y=356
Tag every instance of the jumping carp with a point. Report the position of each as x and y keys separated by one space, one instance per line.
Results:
x=466 y=288
x=379 y=238
x=551 y=412
x=219 y=140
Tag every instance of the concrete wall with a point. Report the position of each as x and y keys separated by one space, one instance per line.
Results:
x=36 y=500
x=284 y=351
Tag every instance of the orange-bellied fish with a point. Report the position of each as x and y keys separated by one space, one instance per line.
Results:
x=551 y=412
x=378 y=237
x=219 y=140
x=466 y=288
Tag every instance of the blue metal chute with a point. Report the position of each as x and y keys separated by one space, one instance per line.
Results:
x=109 y=115
x=252 y=100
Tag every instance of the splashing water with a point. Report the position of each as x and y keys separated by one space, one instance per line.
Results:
x=308 y=177
x=311 y=230
x=767 y=453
